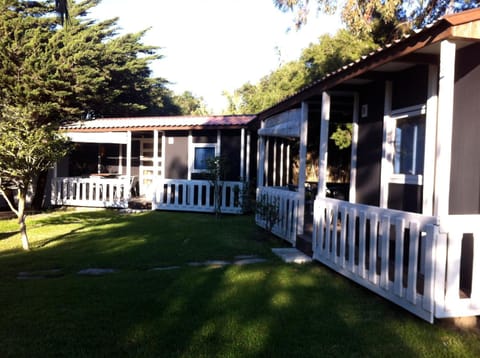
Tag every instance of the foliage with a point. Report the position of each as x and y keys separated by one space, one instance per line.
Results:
x=383 y=20
x=342 y=135
x=26 y=149
x=216 y=172
x=330 y=53
x=188 y=104
x=65 y=73
x=268 y=211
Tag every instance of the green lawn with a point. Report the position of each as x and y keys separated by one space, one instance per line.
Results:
x=270 y=309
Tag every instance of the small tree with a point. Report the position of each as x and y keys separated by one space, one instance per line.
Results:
x=26 y=149
x=268 y=210
x=216 y=169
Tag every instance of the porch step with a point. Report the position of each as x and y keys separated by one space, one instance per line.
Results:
x=140 y=203
x=304 y=243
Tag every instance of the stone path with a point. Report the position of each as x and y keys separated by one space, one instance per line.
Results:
x=289 y=255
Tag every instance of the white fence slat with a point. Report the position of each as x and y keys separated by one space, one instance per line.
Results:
x=334 y=238
x=343 y=236
x=362 y=243
x=399 y=245
x=351 y=239
x=384 y=247
x=373 y=254
x=412 y=262
x=453 y=267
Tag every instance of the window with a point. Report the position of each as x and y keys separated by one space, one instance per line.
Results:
x=202 y=155
x=409 y=146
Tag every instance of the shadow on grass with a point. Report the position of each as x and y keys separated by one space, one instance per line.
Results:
x=264 y=310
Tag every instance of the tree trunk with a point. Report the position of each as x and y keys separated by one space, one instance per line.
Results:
x=21 y=219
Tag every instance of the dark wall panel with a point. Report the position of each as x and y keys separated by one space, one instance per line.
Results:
x=176 y=155
x=409 y=87
x=405 y=197
x=369 y=150
x=465 y=172
x=230 y=150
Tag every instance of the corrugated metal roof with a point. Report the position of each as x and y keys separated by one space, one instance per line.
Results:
x=161 y=122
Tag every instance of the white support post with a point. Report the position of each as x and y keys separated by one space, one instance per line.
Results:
x=120 y=159
x=388 y=146
x=247 y=164
x=274 y=169
x=352 y=196
x=261 y=162
x=242 y=154
x=444 y=128
x=287 y=179
x=155 y=157
x=129 y=155
x=323 y=150
x=267 y=157
x=430 y=141
x=164 y=145
x=218 y=149
x=190 y=155
x=282 y=164
x=302 y=165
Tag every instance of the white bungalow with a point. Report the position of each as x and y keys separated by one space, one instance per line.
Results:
x=161 y=159
x=408 y=224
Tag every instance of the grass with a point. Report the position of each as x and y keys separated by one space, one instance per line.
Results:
x=262 y=310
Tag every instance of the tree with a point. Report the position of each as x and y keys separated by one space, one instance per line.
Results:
x=383 y=20
x=27 y=149
x=188 y=104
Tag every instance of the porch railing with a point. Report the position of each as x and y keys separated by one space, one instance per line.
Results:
x=196 y=195
x=389 y=252
x=288 y=203
x=457 y=283
x=91 y=192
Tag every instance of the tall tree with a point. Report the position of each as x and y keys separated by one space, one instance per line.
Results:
x=384 y=20
x=27 y=149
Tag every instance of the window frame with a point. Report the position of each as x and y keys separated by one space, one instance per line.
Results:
x=395 y=116
x=202 y=145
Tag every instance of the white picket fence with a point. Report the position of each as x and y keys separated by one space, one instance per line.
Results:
x=457 y=289
x=389 y=252
x=429 y=266
x=196 y=195
x=91 y=191
x=288 y=203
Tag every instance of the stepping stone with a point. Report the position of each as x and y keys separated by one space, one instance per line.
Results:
x=255 y=260
x=242 y=257
x=290 y=255
x=96 y=271
x=214 y=263
x=166 y=268
x=39 y=274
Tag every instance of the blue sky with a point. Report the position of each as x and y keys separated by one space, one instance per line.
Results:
x=214 y=45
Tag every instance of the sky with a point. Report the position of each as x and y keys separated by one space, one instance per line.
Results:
x=211 y=46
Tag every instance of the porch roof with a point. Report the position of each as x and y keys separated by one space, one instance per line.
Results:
x=160 y=123
x=421 y=46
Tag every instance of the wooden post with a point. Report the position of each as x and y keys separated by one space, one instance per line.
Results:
x=155 y=158
x=302 y=165
x=323 y=150
x=261 y=162
x=430 y=141
x=352 y=196
x=129 y=154
x=247 y=165
x=191 y=155
x=444 y=128
x=387 y=147
x=242 y=154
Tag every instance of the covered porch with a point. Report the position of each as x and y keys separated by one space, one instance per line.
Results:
x=160 y=160
x=409 y=228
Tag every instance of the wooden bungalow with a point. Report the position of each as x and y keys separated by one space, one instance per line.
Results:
x=407 y=225
x=160 y=159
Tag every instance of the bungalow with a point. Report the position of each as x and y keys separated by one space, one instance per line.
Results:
x=161 y=159
x=407 y=223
